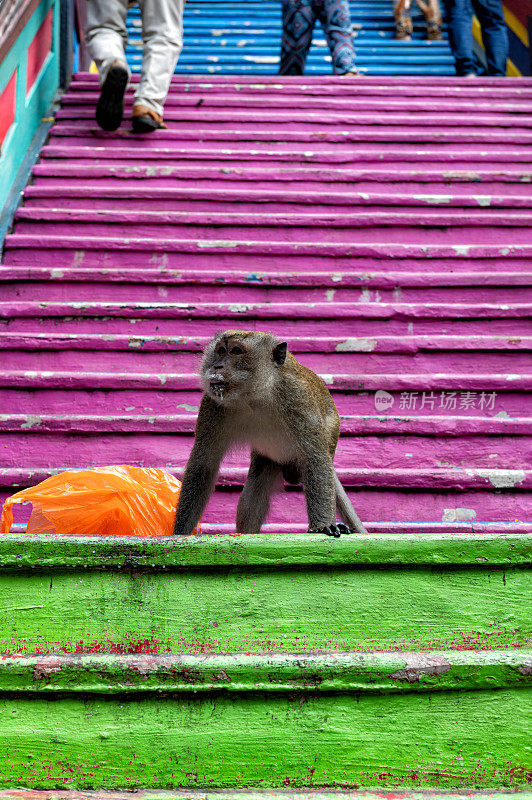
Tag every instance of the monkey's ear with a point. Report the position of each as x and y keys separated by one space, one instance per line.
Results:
x=279 y=354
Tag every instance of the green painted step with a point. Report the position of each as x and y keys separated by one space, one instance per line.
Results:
x=265 y=593
x=306 y=673
x=278 y=661
x=264 y=794
x=443 y=720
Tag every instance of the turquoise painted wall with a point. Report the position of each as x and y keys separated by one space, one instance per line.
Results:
x=30 y=106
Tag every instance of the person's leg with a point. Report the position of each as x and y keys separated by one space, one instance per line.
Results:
x=335 y=19
x=494 y=34
x=106 y=37
x=162 y=36
x=460 y=19
x=431 y=10
x=298 y=27
x=403 y=19
x=106 y=34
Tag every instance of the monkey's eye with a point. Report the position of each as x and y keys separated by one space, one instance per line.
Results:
x=236 y=351
x=221 y=351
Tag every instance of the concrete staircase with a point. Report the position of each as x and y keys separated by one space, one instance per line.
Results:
x=227 y=37
x=387 y=236
x=389 y=242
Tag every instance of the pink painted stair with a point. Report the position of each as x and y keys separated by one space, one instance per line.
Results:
x=383 y=226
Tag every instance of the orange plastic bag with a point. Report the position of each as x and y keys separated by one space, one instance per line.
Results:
x=106 y=501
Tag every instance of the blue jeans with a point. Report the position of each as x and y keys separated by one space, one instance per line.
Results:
x=494 y=34
x=299 y=18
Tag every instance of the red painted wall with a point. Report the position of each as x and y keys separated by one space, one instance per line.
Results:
x=8 y=107
x=39 y=49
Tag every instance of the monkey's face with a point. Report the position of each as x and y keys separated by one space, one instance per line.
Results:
x=226 y=368
x=238 y=367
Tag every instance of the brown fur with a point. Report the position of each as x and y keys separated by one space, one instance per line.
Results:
x=258 y=393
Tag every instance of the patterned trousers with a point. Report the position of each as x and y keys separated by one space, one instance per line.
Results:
x=299 y=18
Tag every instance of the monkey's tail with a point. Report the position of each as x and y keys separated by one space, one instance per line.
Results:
x=345 y=507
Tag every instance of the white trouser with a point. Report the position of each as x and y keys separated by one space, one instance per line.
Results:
x=162 y=36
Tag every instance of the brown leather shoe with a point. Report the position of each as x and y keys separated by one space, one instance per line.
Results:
x=146 y=120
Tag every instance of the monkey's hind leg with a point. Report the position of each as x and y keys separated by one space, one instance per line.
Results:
x=345 y=508
x=255 y=498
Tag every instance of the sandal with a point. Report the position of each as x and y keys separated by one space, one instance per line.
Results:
x=403 y=27
x=434 y=32
x=146 y=120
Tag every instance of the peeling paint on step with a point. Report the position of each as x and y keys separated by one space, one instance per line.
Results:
x=329 y=294
x=160 y=260
x=499 y=478
x=426 y=666
x=217 y=242
x=458 y=514
x=356 y=345
x=43 y=671
x=239 y=308
x=188 y=407
x=483 y=200
x=434 y=199
x=32 y=421
x=262 y=59
x=462 y=174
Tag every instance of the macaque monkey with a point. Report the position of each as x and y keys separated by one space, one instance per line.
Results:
x=256 y=392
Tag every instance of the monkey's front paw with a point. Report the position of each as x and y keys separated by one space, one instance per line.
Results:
x=332 y=530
